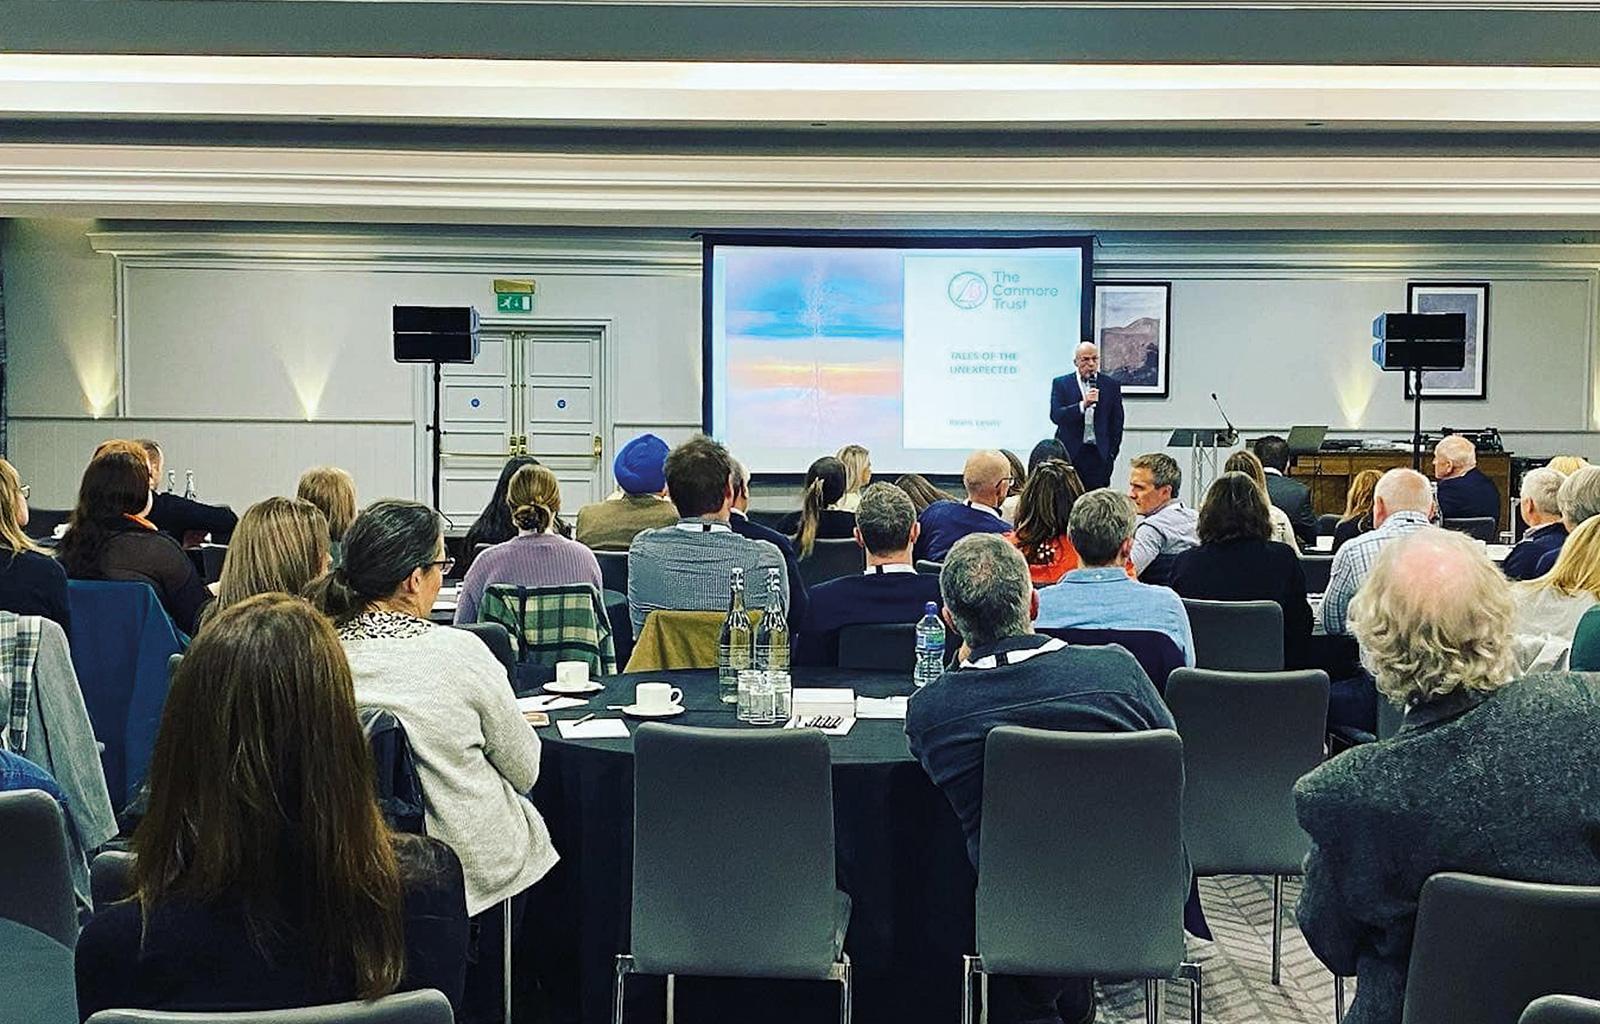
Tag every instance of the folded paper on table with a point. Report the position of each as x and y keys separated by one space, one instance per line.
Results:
x=881 y=707
x=593 y=729
x=548 y=702
x=824 y=700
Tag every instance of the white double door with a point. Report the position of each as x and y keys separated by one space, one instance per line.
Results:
x=533 y=390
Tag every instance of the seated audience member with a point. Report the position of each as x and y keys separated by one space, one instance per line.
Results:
x=1236 y=561
x=1549 y=607
x=1567 y=465
x=1486 y=776
x=1166 y=525
x=612 y=524
x=1049 y=448
x=264 y=876
x=739 y=522
x=1019 y=478
x=493 y=525
x=1402 y=502
x=1540 y=507
x=109 y=537
x=819 y=517
x=183 y=519
x=1041 y=533
x=857 y=472
x=1357 y=517
x=1285 y=492
x=890 y=590
x=536 y=556
x=280 y=546
x=1579 y=500
x=476 y=757
x=685 y=567
x=1244 y=461
x=987 y=479
x=1464 y=492
x=921 y=492
x=1008 y=675
x=1100 y=594
x=31 y=582
x=333 y=491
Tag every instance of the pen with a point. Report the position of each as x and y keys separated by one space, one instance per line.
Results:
x=584 y=719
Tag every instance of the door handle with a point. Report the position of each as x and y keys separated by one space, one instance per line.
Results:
x=599 y=446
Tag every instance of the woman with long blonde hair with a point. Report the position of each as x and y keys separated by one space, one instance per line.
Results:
x=279 y=546
x=31 y=582
x=264 y=876
x=1548 y=608
x=857 y=475
x=1357 y=518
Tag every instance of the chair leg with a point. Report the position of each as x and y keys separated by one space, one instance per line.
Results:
x=1152 y=1001
x=1191 y=972
x=505 y=967
x=1277 y=926
x=624 y=968
x=969 y=966
x=1338 y=999
x=846 y=991
x=672 y=998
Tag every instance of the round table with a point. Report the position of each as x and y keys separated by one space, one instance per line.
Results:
x=899 y=852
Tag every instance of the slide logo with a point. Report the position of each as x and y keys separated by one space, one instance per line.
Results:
x=968 y=289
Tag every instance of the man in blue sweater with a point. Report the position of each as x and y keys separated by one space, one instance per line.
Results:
x=889 y=591
x=1008 y=675
x=1464 y=492
x=987 y=478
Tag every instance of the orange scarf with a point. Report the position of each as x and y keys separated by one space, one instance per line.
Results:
x=141 y=520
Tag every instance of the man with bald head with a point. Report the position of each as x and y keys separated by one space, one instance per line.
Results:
x=1401 y=503
x=987 y=478
x=1087 y=411
x=1464 y=492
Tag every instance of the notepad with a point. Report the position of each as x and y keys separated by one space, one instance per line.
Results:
x=593 y=729
x=881 y=707
x=548 y=702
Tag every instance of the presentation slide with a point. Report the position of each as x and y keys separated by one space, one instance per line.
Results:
x=922 y=353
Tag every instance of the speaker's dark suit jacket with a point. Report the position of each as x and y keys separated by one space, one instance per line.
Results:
x=1064 y=413
x=1294 y=498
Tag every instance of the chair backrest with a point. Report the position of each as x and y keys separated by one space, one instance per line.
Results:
x=211 y=558
x=1157 y=653
x=424 y=1006
x=747 y=890
x=1247 y=736
x=1484 y=528
x=831 y=559
x=42 y=522
x=110 y=878
x=613 y=570
x=679 y=639
x=768 y=518
x=1236 y=636
x=928 y=567
x=1085 y=828
x=43 y=989
x=121 y=640
x=1327 y=524
x=880 y=647
x=398 y=785
x=1561 y=1010
x=1484 y=948
x=495 y=637
x=35 y=879
x=547 y=625
x=1318 y=568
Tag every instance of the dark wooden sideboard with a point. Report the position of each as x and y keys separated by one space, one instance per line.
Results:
x=1328 y=474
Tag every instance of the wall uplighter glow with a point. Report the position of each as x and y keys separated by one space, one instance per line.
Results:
x=1354 y=383
x=95 y=368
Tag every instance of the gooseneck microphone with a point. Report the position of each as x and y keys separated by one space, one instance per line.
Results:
x=1232 y=436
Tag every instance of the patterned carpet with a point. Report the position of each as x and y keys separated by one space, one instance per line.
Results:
x=1237 y=966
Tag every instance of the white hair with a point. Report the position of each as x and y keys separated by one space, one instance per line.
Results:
x=1542 y=486
x=1404 y=490
x=1434 y=616
x=1579 y=496
x=1458 y=450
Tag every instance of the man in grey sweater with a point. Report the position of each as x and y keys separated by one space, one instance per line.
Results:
x=1486 y=776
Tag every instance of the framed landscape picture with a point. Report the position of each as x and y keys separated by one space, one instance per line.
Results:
x=1131 y=326
x=1473 y=300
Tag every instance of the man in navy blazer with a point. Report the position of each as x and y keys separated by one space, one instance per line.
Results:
x=1087 y=411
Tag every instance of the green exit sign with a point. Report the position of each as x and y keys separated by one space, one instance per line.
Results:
x=513 y=302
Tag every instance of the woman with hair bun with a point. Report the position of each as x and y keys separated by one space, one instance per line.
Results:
x=538 y=556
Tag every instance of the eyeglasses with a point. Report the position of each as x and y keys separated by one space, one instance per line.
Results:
x=444 y=564
x=26 y=490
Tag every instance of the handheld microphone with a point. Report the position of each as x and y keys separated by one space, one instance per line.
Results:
x=1093 y=380
x=1232 y=436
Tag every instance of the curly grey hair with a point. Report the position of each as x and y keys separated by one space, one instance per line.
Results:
x=986 y=587
x=1433 y=617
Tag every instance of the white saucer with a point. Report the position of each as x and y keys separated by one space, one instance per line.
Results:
x=589 y=686
x=637 y=712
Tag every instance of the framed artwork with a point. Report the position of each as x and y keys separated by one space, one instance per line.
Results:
x=1131 y=326
x=1473 y=300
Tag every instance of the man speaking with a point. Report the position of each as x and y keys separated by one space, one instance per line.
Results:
x=1087 y=412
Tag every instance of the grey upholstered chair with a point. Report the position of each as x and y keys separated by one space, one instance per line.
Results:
x=928 y=567
x=1318 y=569
x=770 y=909
x=1484 y=948
x=1561 y=1010
x=35 y=877
x=1122 y=881
x=885 y=647
x=1236 y=636
x=110 y=878
x=1484 y=528
x=613 y=570
x=425 y=1006
x=40 y=984
x=1247 y=736
x=832 y=559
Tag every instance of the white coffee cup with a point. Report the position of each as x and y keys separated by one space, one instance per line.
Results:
x=649 y=697
x=572 y=673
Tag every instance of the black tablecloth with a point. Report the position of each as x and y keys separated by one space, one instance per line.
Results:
x=899 y=851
